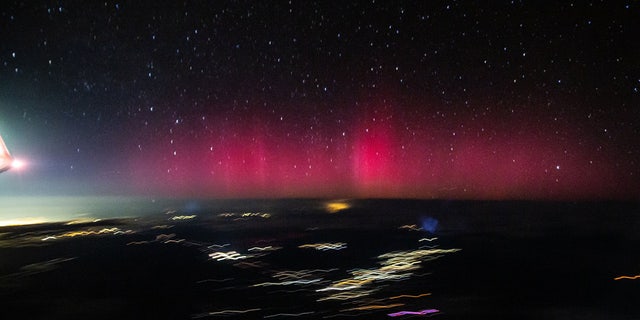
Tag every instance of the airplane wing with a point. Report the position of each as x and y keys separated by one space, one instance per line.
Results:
x=5 y=157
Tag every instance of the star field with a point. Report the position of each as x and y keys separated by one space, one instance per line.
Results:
x=437 y=99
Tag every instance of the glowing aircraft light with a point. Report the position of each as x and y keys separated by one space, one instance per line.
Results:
x=17 y=164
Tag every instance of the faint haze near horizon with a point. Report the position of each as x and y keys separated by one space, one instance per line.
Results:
x=63 y=208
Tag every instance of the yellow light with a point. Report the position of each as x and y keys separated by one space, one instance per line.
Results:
x=336 y=206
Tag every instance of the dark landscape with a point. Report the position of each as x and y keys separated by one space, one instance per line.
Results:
x=316 y=259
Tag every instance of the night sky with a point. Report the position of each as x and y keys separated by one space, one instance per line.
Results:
x=426 y=99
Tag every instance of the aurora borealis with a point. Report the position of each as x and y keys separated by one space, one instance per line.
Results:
x=433 y=100
x=376 y=152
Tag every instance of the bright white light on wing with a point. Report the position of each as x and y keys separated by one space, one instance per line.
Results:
x=17 y=164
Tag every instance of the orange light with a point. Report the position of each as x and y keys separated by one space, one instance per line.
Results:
x=336 y=206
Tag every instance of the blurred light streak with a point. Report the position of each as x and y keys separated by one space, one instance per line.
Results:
x=401 y=266
x=35 y=268
x=133 y=243
x=410 y=227
x=428 y=239
x=245 y=215
x=183 y=217
x=375 y=307
x=218 y=246
x=416 y=254
x=347 y=295
x=82 y=221
x=301 y=274
x=378 y=274
x=257 y=264
x=256 y=214
x=231 y=255
x=83 y=233
x=286 y=283
x=225 y=313
x=324 y=246
x=289 y=314
x=338 y=288
x=163 y=237
x=394 y=266
x=627 y=277
x=410 y=296
x=163 y=226
x=262 y=249
x=421 y=312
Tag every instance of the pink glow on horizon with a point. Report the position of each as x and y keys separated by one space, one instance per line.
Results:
x=374 y=152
